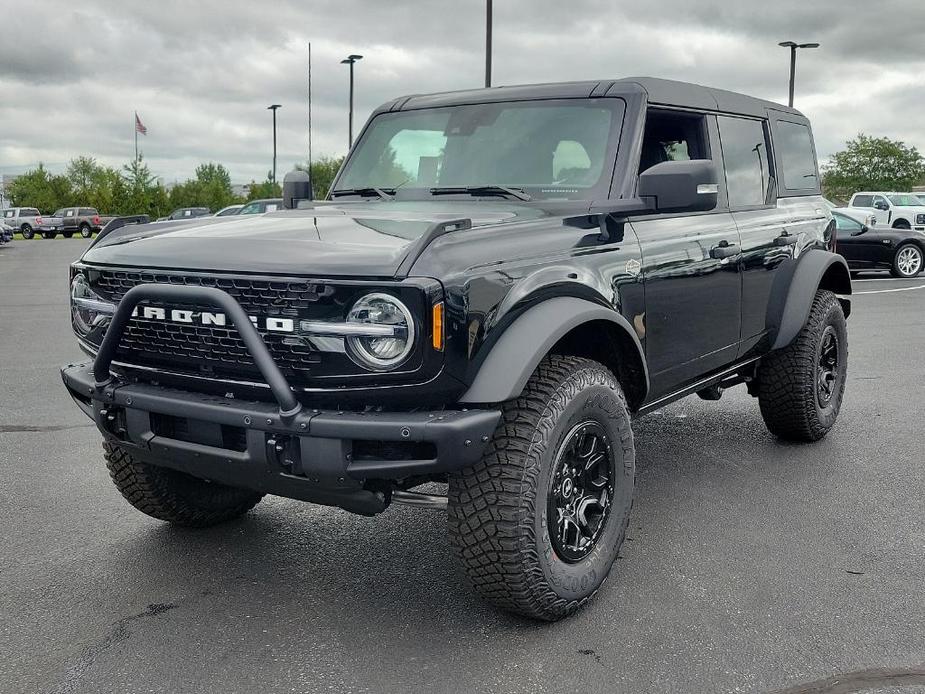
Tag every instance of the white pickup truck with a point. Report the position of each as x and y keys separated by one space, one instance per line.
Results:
x=897 y=210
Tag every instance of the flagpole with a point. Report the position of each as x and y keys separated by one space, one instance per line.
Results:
x=309 y=109
x=135 y=128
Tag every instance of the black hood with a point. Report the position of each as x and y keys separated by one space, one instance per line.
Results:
x=364 y=239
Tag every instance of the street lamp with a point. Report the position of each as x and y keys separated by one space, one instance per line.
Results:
x=273 y=107
x=350 y=60
x=793 y=60
x=488 y=13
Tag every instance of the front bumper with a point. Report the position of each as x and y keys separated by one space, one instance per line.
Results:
x=334 y=457
x=323 y=456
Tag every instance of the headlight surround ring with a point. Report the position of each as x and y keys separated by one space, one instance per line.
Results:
x=386 y=352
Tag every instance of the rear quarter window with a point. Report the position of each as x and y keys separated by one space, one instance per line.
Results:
x=796 y=156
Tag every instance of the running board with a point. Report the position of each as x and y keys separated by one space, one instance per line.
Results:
x=697 y=386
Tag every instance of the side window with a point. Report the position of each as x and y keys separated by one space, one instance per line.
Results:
x=745 y=159
x=846 y=225
x=69 y=213
x=797 y=159
x=8 y=214
x=863 y=201
x=672 y=136
x=271 y=207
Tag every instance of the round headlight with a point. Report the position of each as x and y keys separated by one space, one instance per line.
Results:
x=384 y=334
x=89 y=310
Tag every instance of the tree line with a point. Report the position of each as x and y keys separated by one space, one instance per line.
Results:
x=133 y=189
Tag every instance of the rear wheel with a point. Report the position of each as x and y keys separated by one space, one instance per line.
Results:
x=27 y=231
x=174 y=496
x=800 y=387
x=908 y=261
x=538 y=523
x=86 y=231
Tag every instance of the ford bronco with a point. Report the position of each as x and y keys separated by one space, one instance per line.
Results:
x=499 y=282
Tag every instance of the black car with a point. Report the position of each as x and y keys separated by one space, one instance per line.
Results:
x=6 y=233
x=501 y=280
x=901 y=251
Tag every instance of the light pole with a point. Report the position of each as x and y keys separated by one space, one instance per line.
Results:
x=350 y=60
x=273 y=107
x=793 y=61
x=488 y=14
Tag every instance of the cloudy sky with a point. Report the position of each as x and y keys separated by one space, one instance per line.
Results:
x=200 y=74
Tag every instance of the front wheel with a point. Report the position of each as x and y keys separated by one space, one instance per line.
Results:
x=800 y=387
x=908 y=261
x=538 y=523
x=174 y=496
x=27 y=231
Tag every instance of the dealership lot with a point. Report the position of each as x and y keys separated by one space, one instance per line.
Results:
x=752 y=565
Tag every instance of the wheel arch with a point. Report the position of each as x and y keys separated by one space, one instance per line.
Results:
x=561 y=325
x=788 y=310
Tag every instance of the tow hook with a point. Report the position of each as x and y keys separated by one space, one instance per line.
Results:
x=285 y=452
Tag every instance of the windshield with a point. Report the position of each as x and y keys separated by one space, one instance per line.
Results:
x=905 y=200
x=556 y=149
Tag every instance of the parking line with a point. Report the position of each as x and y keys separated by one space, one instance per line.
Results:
x=889 y=291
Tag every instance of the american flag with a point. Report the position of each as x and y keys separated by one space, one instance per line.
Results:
x=139 y=126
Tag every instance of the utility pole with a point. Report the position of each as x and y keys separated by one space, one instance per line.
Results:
x=273 y=107
x=488 y=13
x=309 y=108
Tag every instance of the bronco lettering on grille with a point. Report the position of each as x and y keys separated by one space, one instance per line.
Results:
x=207 y=318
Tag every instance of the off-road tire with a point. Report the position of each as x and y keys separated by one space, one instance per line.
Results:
x=787 y=378
x=85 y=231
x=27 y=231
x=498 y=507
x=49 y=234
x=897 y=271
x=173 y=496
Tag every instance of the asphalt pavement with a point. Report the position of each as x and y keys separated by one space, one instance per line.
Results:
x=750 y=565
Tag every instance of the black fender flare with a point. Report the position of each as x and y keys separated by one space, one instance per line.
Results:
x=814 y=269
x=515 y=355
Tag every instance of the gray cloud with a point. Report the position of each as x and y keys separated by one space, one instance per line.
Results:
x=201 y=74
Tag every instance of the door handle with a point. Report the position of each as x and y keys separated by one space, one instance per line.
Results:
x=724 y=250
x=785 y=239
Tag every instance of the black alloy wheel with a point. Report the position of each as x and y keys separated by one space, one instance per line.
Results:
x=580 y=492
x=827 y=368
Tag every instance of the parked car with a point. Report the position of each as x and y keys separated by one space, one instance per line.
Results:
x=866 y=247
x=71 y=220
x=261 y=206
x=6 y=233
x=186 y=213
x=862 y=216
x=896 y=210
x=24 y=219
x=228 y=211
x=582 y=253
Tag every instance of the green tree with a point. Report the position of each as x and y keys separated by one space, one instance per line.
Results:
x=41 y=189
x=210 y=188
x=872 y=163
x=265 y=189
x=323 y=171
x=142 y=193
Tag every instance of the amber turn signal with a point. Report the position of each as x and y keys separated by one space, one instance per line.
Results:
x=437 y=325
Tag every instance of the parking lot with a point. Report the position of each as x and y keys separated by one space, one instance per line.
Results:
x=750 y=565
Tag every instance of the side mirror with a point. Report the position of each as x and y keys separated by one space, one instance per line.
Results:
x=863 y=230
x=881 y=206
x=681 y=186
x=297 y=185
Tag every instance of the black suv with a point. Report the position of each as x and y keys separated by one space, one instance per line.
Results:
x=501 y=280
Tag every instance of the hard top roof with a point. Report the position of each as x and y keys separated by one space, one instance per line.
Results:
x=658 y=91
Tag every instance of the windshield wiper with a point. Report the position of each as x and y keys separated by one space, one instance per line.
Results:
x=384 y=193
x=516 y=193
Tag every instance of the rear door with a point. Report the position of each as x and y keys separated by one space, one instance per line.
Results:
x=690 y=269
x=751 y=189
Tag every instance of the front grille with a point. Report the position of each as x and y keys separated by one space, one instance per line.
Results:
x=219 y=351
